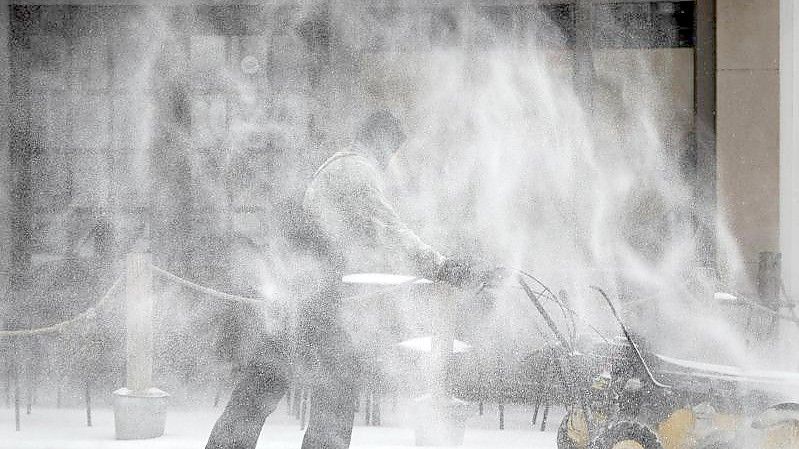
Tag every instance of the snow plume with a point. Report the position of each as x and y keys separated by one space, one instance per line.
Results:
x=503 y=162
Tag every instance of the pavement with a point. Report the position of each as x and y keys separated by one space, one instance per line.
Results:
x=188 y=427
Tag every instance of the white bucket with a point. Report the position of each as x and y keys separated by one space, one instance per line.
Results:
x=139 y=415
x=442 y=422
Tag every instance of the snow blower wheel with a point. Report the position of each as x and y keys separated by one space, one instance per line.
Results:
x=572 y=432
x=626 y=435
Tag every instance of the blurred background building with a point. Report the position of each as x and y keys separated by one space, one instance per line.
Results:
x=129 y=123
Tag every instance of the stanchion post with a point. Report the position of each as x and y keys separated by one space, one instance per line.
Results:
x=769 y=278
x=376 y=418
x=546 y=412
x=367 y=408
x=29 y=388
x=304 y=408
x=140 y=408
x=139 y=321
x=769 y=282
x=88 y=394
x=443 y=344
x=441 y=417
x=15 y=371
x=289 y=393
x=218 y=394
x=8 y=384
x=297 y=404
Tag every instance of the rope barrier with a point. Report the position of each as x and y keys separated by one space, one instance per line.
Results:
x=58 y=327
x=381 y=291
x=755 y=305
x=209 y=291
x=90 y=312
x=264 y=302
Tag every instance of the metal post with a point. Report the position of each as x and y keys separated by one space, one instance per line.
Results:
x=376 y=409
x=769 y=283
x=368 y=408
x=546 y=413
x=29 y=383
x=288 y=399
x=444 y=416
x=443 y=342
x=543 y=382
x=8 y=385
x=304 y=408
x=15 y=370
x=501 y=416
x=297 y=403
x=88 y=392
x=544 y=389
x=217 y=396
x=768 y=278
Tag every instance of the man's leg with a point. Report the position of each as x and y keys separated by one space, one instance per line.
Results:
x=332 y=415
x=263 y=382
x=335 y=373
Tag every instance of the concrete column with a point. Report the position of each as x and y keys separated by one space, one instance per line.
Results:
x=747 y=124
x=789 y=138
x=704 y=123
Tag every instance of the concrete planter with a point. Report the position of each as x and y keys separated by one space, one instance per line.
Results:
x=139 y=415
x=441 y=422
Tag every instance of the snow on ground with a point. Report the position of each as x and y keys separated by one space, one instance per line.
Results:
x=189 y=428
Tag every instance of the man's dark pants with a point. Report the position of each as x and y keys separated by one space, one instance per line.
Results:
x=261 y=384
x=328 y=363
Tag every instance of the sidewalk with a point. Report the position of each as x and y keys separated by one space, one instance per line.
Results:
x=188 y=429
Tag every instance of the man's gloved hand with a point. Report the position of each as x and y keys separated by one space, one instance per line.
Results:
x=456 y=272
x=464 y=273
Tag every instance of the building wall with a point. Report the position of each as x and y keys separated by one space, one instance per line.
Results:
x=743 y=195
x=748 y=148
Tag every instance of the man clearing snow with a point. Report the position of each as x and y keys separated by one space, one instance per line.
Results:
x=349 y=227
x=347 y=202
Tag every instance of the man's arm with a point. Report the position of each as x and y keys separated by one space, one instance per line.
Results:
x=355 y=198
x=392 y=233
x=363 y=204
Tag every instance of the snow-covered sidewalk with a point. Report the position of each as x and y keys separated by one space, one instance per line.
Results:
x=189 y=428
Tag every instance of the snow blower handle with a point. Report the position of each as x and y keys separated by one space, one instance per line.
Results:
x=629 y=338
x=564 y=342
x=468 y=274
x=493 y=277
